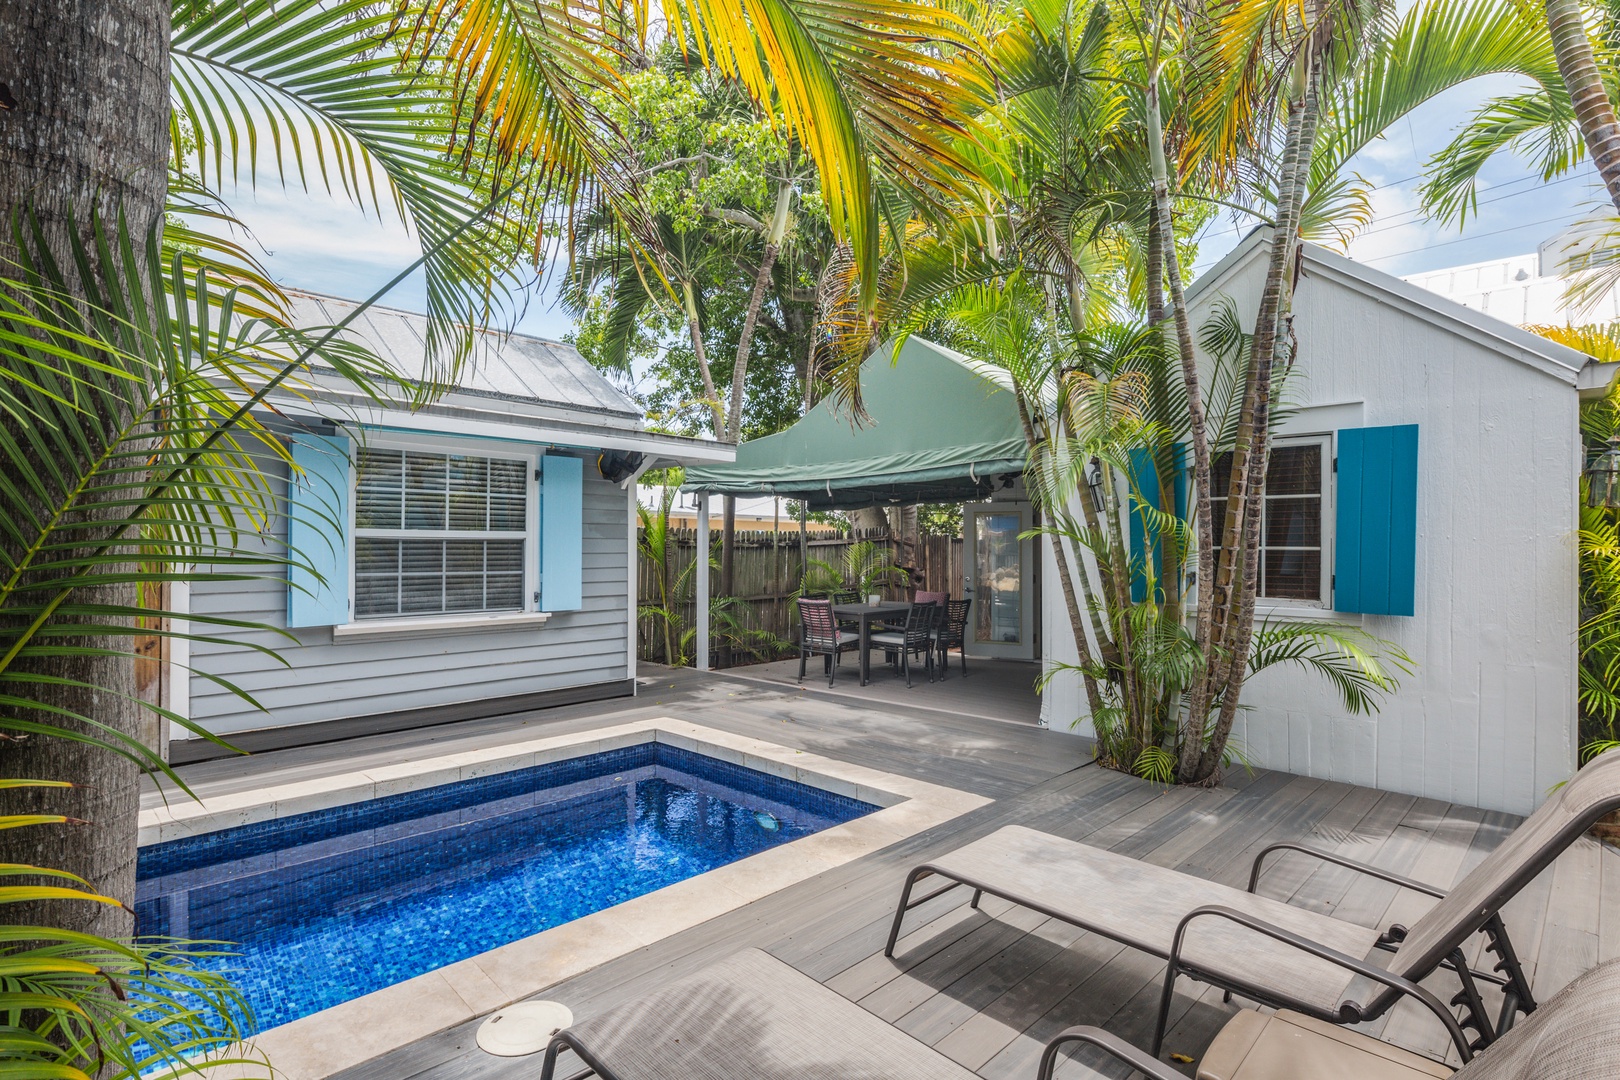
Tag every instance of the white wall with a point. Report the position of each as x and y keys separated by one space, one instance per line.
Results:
x=1488 y=719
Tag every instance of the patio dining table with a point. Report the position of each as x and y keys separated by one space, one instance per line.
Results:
x=866 y=615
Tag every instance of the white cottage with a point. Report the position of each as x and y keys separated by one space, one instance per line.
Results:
x=476 y=557
x=1438 y=454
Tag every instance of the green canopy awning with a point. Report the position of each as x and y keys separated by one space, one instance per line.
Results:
x=941 y=427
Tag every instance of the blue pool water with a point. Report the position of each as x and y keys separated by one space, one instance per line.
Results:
x=334 y=904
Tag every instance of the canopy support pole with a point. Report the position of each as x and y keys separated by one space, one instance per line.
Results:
x=804 y=543
x=702 y=557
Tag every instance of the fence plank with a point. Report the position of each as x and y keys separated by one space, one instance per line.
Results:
x=768 y=570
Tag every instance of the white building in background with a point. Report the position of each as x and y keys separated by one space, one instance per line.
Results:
x=1431 y=501
x=1525 y=290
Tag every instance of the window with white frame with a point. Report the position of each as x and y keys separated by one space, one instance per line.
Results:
x=1293 y=551
x=439 y=533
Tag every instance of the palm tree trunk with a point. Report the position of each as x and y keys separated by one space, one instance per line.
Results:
x=756 y=300
x=88 y=134
x=1253 y=437
x=1060 y=555
x=695 y=330
x=1594 y=112
x=739 y=377
x=1198 y=424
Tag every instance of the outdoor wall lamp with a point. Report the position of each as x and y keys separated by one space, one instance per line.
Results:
x=1603 y=476
x=1094 y=481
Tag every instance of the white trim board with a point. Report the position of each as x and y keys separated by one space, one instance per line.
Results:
x=345 y=1035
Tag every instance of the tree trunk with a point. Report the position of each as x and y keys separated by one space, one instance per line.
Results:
x=739 y=377
x=756 y=300
x=869 y=519
x=695 y=331
x=1593 y=110
x=1203 y=518
x=88 y=133
x=1253 y=438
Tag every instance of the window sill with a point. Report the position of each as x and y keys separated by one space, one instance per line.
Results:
x=1294 y=613
x=439 y=624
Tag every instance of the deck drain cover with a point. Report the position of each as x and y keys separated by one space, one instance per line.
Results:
x=524 y=1028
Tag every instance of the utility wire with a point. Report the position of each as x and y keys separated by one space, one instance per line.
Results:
x=1465 y=239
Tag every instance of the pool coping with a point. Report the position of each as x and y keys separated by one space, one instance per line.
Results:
x=345 y=1035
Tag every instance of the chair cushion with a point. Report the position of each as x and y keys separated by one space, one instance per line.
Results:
x=752 y=1016
x=1575 y=1036
x=1141 y=904
x=1292 y=1046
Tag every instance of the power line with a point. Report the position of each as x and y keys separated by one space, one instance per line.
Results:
x=1388 y=224
x=1465 y=239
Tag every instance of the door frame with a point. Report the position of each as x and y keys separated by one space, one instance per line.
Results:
x=1029 y=581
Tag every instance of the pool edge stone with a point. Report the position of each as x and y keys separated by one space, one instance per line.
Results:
x=326 y=1042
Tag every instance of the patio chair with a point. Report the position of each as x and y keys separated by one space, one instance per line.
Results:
x=1575 y=1036
x=820 y=635
x=930 y=598
x=1267 y=950
x=848 y=596
x=916 y=638
x=952 y=634
x=748 y=1017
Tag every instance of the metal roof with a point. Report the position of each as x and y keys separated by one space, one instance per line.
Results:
x=514 y=367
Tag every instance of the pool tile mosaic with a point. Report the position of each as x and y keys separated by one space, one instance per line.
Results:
x=333 y=904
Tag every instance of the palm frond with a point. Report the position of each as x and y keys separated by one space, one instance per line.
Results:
x=313 y=91
x=1362 y=667
x=1438 y=44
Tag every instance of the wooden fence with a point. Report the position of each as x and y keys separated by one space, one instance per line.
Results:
x=767 y=573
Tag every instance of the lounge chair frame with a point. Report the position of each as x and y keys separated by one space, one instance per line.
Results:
x=1433 y=943
x=1349 y=1012
x=560 y=1042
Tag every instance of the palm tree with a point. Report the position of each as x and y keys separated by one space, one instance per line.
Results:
x=223 y=88
x=1588 y=95
x=892 y=84
x=1300 y=96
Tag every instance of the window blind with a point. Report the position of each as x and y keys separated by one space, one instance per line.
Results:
x=439 y=533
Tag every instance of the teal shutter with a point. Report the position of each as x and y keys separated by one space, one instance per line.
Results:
x=562 y=533
x=318 y=531
x=1144 y=539
x=1375 y=540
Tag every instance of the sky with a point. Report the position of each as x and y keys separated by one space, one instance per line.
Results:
x=321 y=243
x=1517 y=211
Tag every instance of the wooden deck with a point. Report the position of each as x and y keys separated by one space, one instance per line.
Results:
x=989 y=988
x=992 y=690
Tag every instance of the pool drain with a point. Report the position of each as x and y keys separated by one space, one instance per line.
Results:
x=524 y=1028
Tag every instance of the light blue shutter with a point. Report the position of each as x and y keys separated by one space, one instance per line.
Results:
x=1375 y=542
x=562 y=533
x=318 y=531
x=1145 y=540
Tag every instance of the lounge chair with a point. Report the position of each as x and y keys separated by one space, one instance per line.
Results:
x=1575 y=1036
x=1268 y=951
x=748 y=1017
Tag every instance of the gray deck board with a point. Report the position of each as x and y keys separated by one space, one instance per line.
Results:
x=987 y=988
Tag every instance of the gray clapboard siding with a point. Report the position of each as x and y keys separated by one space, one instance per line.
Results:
x=328 y=680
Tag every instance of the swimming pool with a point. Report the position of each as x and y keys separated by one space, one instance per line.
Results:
x=330 y=905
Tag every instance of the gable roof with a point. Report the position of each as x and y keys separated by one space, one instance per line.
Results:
x=1549 y=357
x=513 y=367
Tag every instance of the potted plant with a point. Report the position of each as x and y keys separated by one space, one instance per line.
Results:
x=869 y=566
